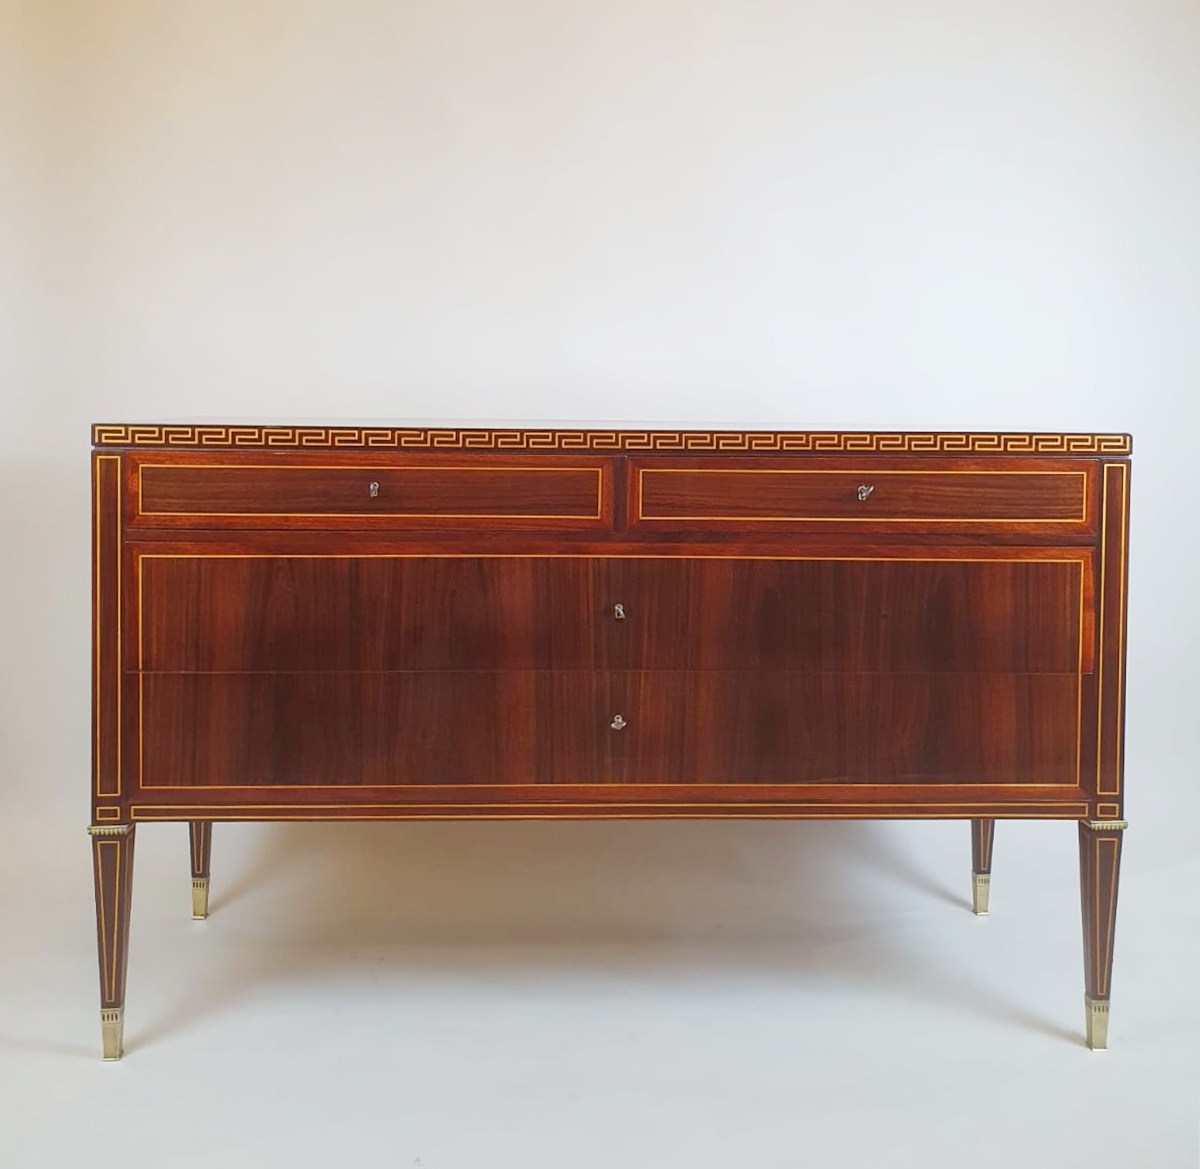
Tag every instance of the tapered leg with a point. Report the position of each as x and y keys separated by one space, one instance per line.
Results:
x=981 y=864
x=201 y=856
x=112 y=862
x=1099 y=869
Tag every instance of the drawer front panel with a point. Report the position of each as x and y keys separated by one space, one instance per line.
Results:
x=311 y=730
x=906 y=729
x=387 y=612
x=918 y=614
x=368 y=613
x=362 y=730
x=246 y=492
x=1056 y=496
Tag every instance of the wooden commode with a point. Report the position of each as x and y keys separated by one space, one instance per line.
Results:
x=323 y=623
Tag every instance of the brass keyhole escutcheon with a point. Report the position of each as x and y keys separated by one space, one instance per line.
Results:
x=373 y=490
x=618 y=723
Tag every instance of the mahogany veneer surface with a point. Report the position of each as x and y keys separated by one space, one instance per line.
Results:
x=662 y=622
x=330 y=491
x=385 y=613
x=945 y=494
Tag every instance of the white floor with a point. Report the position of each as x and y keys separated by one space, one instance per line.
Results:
x=702 y=995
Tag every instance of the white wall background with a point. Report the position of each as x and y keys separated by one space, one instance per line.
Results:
x=786 y=213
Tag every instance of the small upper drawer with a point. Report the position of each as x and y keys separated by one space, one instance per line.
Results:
x=368 y=491
x=1055 y=496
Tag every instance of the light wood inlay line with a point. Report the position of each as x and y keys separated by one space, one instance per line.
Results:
x=98 y=865
x=962 y=809
x=1100 y=617
x=98 y=649
x=382 y=510
x=603 y=813
x=108 y=555
x=109 y=936
x=118 y=555
x=1120 y=732
x=1079 y=682
x=1104 y=956
x=1113 y=789
x=952 y=559
x=721 y=517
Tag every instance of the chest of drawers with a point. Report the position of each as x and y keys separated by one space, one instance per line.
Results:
x=328 y=623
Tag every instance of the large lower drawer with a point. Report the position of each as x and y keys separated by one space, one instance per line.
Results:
x=417 y=491
x=650 y=727
x=711 y=727
x=942 y=610
x=351 y=729
x=1054 y=496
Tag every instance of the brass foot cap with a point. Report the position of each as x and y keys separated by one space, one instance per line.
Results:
x=199 y=898
x=980 y=890
x=1097 y=1023
x=112 y=1030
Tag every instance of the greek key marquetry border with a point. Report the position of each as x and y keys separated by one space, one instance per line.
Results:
x=753 y=442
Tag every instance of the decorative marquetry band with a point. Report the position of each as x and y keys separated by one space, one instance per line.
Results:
x=751 y=442
x=109 y=829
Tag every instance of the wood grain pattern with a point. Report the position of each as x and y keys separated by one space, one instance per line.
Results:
x=902 y=615
x=518 y=613
x=370 y=614
x=419 y=491
x=355 y=729
x=735 y=494
x=884 y=728
x=549 y=727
